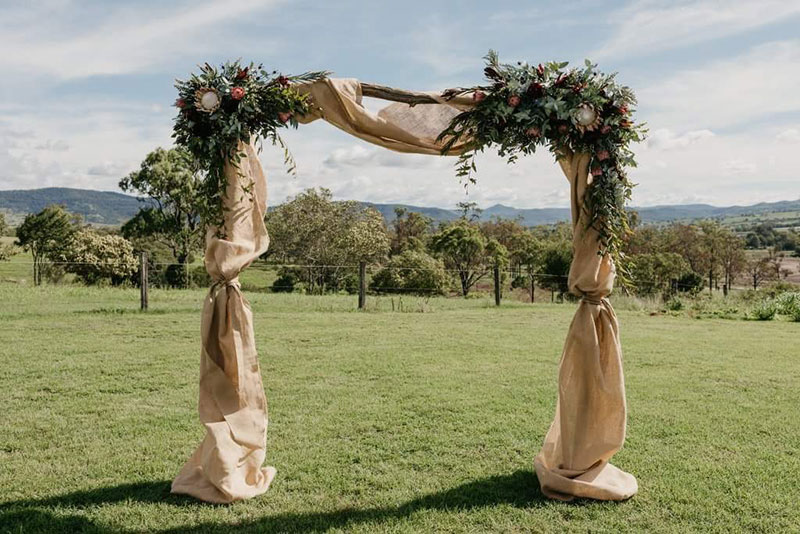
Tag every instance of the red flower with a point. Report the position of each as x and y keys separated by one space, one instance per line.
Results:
x=603 y=155
x=625 y=123
x=242 y=74
x=284 y=116
x=561 y=79
x=533 y=132
x=540 y=70
x=514 y=101
x=180 y=103
x=605 y=129
x=597 y=171
x=563 y=128
x=283 y=81
x=623 y=110
x=237 y=93
x=536 y=89
x=478 y=96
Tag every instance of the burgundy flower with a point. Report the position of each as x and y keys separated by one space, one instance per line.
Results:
x=283 y=81
x=533 y=132
x=563 y=128
x=514 y=100
x=603 y=155
x=237 y=93
x=284 y=116
x=478 y=96
x=597 y=171
x=536 y=89
x=561 y=79
x=180 y=103
x=605 y=129
x=540 y=70
x=242 y=74
x=622 y=110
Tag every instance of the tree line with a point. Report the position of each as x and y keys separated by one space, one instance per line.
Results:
x=317 y=242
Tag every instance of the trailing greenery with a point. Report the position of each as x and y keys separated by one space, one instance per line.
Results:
x=242 y=102
x=525 y=107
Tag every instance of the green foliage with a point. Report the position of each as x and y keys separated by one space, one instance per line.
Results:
x=44 y=235
x=789 y=304
x=327 y=238
x=285 y=282
x=96 y=257
x=556 y=261
x=764 y=310
x=412 y=271
x=674 y=304
x=172 y=185
x=213 y=136
x=657 y=272
x=462 y=246
x=526 y=107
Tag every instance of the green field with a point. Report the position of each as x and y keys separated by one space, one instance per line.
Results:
x=385 y=422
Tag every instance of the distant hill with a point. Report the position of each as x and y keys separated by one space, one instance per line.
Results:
x=96 y=207
x=111 y=208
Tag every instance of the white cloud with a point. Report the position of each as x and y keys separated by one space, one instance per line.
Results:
x=130 y=39
x=728 y=92
x=792 y=135
x=666 y=139
x=739 y=166
x=645 y=27
x=54 y=145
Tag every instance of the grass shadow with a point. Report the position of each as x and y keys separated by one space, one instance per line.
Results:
x=56 y=514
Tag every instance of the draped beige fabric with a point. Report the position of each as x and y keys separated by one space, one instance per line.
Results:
x=227 y=465
x=589 y=425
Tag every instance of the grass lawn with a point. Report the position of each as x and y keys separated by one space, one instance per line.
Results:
x=386 y=422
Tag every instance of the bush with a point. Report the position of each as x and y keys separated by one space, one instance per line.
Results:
x=411 y=272
x=764 y=311
x=789 y=304
x=674 y=304
x=691 y=283
x=285 y=281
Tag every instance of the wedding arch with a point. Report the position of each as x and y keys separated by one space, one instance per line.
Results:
x=581 y=115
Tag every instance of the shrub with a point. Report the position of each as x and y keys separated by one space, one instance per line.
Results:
x=789 y=304
x=764 y=311
x=411 y=272
x=285 y=281
x=674 y=304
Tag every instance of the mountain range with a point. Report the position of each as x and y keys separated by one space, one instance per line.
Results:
x=112 y=208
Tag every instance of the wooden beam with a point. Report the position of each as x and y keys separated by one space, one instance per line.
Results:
x=396 y=95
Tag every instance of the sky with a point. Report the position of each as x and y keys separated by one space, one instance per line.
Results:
x=87 y=89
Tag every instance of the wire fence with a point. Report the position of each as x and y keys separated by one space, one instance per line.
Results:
x=517 y=283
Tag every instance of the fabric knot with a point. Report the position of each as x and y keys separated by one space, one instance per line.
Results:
x=233 y=282
x=591 y=300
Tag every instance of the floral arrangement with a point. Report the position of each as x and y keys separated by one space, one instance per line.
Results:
x=219 y=107
x=581 y=110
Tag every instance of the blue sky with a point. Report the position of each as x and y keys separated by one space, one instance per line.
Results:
x=87 y=88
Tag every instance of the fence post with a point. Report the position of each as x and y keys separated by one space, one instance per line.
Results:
x=362 y=284
x=497 y=285
x=143 y=293
x=533 y=289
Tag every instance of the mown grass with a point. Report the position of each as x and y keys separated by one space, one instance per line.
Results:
x=385 y=422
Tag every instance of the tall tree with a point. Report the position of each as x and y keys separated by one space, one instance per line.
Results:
x=44 y=235
x=462 y=247
x=169 y=182
x=325 y=237
x=408 y=230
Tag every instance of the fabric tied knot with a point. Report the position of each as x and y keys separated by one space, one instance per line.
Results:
x=233 y=282
x=592 y=300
